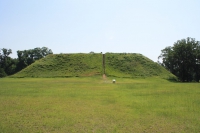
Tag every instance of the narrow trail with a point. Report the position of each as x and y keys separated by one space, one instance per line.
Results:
x=104 y=77
x=105 y=80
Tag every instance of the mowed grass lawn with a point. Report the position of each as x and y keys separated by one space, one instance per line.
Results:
x=97 y=105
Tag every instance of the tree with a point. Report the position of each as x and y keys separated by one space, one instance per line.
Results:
x=9 y=66
x=27 y=57
x=2 y=73
x=183 y=59
x=6 y=62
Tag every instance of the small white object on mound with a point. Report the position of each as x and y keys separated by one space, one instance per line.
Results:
x=114 y=80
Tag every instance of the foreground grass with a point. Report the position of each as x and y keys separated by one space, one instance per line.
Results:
x=96 y=105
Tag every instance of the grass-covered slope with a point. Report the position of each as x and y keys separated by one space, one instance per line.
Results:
x=116 y=64
x=64 y=65
x=134 y=65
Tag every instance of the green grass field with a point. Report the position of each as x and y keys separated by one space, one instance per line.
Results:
x=95 y=105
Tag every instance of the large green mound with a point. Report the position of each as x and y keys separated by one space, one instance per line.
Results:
x=116 y=65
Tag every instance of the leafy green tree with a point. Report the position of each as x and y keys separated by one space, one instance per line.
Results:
x=27 y=57
x=7 y=64
x=183 y=59
x=2 y=73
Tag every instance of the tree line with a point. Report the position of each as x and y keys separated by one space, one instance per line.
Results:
x=183 y=59
x=9 y=66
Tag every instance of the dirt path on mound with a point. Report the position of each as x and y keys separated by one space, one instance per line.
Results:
x=104 y=76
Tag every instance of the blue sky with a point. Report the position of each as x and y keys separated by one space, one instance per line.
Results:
x=74 y=26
